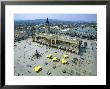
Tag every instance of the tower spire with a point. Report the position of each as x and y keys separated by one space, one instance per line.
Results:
x=47 y=26
x=47 y=21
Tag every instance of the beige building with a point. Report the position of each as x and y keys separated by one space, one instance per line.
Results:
x=61 y=42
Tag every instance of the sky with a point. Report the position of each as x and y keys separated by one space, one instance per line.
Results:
x=64 y=17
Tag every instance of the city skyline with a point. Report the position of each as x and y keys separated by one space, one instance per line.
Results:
x=63 y=17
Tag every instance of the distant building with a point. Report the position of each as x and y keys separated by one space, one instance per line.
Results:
x=47 y=26
x=18 y=35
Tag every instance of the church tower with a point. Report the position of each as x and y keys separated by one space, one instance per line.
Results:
x=47 y=26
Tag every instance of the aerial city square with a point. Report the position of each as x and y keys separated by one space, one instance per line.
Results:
x=55 y=44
